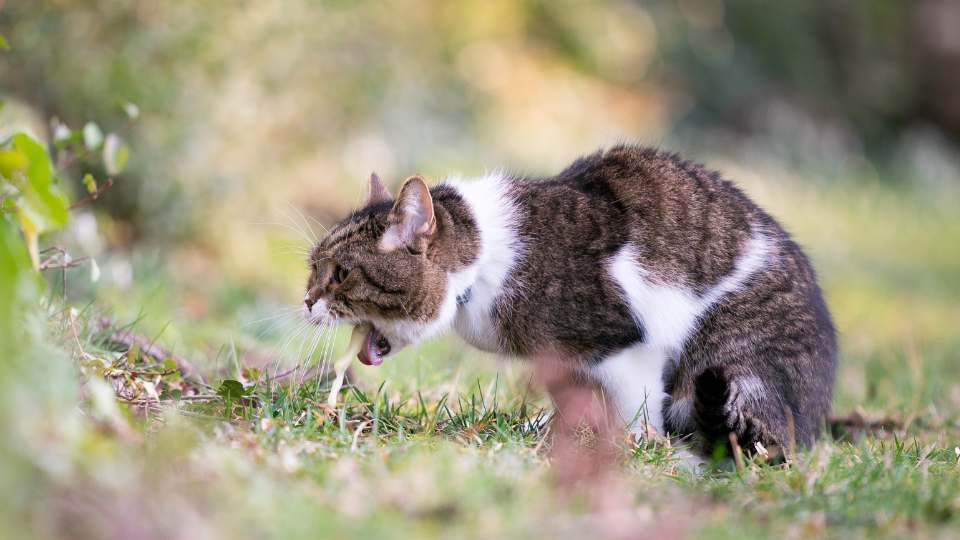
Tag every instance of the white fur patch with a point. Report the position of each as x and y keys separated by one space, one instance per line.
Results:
x=633 y=379
x=666 y=312
x=669 y=314
x=318 y=311
x=755 y=257
x=495 y=214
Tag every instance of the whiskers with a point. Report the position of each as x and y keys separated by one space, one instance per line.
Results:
x=295 y=221
x=303 y=219
x=283 y=316
x=302 y=348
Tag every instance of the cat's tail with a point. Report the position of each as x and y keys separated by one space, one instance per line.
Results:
x=726 y=404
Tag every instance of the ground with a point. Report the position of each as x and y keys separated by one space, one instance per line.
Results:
x=442 y=442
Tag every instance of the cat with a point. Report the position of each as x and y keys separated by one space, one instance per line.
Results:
x=689 y=306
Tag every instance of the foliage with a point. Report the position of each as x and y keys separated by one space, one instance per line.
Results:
x=31 y=191
x=30 y=188
x=18 y=285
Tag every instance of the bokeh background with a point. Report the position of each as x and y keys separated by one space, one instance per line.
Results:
x=843 y=118
x=252 y=122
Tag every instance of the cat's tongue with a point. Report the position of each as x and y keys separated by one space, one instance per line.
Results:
x=369 y=354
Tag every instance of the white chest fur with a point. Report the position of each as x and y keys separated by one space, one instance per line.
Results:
x=488 y=278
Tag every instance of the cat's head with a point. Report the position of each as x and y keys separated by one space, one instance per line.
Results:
x=379 y=266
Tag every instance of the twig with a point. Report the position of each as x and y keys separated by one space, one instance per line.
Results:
x=737 y=452
x=155 y=407
x=76 y=336
x=148 y=373
x=52 y=264
x=310 y=372
x=142 y=401
x=286 y=373
x=93 y=196
x=791 y=434
x=856 y=425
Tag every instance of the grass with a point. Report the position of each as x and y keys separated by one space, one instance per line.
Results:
x=442 y=442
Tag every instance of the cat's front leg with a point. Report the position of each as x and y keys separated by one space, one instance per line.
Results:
x=632 y=382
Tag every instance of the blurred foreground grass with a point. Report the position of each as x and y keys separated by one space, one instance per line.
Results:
x=444 y=442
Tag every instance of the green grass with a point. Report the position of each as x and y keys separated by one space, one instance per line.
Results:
x=443 y=442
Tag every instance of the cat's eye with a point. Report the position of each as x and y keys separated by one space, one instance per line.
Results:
x=340 y=274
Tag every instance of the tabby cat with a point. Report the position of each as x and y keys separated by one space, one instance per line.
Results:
x=659 y=281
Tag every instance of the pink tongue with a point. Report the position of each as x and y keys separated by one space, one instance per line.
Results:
x=368 y=354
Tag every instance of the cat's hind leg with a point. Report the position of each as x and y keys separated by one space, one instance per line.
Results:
x=745 y=406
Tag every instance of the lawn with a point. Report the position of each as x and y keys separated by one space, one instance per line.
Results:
x=118 y=440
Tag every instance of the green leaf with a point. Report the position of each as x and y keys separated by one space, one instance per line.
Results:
x=4 y=46
x=172 y=369
x=231 y=389
x=12 y=161
x=92 y=136
x=251 y=373
x=42 y=207
x=31 y=237
x=115 y=154
x=90 y=183
x=8 y=205
x=133 y=354
x=19 y=288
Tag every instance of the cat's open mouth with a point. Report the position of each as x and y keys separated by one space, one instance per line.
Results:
x=375 y=347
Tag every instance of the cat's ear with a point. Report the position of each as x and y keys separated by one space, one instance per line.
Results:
x=377 y=192
x=411 y=221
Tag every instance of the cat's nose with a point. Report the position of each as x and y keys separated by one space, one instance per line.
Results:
x=309 y=302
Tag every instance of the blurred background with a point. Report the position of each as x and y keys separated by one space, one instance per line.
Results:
x=248 y=120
